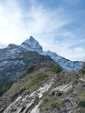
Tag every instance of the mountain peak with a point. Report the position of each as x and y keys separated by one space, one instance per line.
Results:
x=31 y=38
x=32 y=44
x=11 y=46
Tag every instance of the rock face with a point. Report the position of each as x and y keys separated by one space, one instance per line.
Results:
x=65 y=63
x=10 y=62
x=32 y=45
x=33 y=103
x=26 y=103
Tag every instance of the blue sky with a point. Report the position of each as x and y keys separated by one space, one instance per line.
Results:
x=57 y=24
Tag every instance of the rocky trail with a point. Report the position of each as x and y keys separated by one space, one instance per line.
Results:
x=28 y=103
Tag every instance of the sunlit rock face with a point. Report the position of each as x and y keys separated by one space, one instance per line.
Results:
x=32 y=45
x=65 y=63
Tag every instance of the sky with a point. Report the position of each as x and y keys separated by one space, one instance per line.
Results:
x=59 y=25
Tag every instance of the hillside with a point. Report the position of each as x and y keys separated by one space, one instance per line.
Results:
x=15 y=60
x=32 y=79
x=36 y=81
x=46 y=89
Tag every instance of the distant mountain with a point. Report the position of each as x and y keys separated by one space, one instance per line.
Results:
x=15 y=59
x=33 y=45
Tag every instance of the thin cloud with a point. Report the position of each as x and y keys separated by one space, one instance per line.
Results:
x=11 y=27
x=51 y=27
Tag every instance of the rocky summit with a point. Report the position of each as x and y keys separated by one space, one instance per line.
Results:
x=32 y=45
x=37 y=81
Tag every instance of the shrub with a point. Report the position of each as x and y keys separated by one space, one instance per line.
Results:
x=82 y=104
x=4 y=87
x=56 y=68
x=83 y=70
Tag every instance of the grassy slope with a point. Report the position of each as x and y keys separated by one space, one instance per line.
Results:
x=31 y=81
x=31 y=60
x=36 y=77
x=50 y=103
x=82 y=93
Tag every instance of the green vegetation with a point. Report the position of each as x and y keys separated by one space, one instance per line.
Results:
x=82 y=99
x=32 y=79
x=29 y=57
x=50 y=102
x=56 y=68
x=82 y=104
x=29 y=79
x=35 y=81
x=83 y=70
x=30 y=82
x=82 y=95
x=4 y=87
